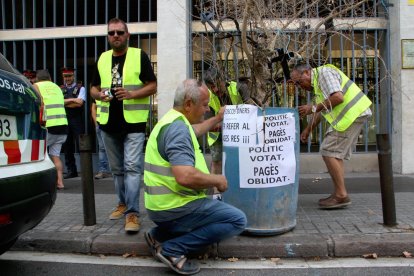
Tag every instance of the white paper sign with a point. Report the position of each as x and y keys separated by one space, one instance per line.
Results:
x=240 y=125
x=279 y=128
x=273 y=163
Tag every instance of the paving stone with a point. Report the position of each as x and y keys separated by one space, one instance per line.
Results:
x=352 y=231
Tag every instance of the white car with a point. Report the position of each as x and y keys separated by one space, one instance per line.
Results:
x=27 y=175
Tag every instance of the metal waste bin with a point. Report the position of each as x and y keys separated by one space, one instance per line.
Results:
x=269 y=210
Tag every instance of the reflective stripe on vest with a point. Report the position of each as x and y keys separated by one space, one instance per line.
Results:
x=54 y=103
x=98 y=110
x=214 y=104
x=162 y=192
x=134 y=110
x=354 y=104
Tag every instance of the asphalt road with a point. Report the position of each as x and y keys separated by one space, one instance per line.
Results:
x=36 y=263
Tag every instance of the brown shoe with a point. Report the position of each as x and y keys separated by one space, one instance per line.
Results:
x=118 y=212
x=335 y=202
x=132 y=223
x=101 y=175
x=325 y=198
x=106 y=175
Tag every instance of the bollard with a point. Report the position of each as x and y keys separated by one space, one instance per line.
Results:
x=386 y=179
x=88 y=192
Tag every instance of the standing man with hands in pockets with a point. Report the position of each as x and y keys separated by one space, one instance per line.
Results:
x=124 y=81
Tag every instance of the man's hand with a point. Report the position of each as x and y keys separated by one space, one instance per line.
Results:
x=190 y=177
x=222 y=183
x=103 y=96
x=74 y=102
x=220 y=114
x=122 y=94
x=304 y=135
x=304 y=110
x=209 y=124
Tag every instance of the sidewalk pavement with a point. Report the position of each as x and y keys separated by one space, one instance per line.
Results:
x=354 y=231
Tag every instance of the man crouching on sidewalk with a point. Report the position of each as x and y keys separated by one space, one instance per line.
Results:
x=176 y=179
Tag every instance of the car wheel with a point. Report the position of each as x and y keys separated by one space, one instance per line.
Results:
x=5 y=247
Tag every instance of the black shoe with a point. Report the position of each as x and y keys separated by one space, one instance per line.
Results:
x=70 y=175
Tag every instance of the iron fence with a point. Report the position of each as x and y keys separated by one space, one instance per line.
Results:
x=355 y=40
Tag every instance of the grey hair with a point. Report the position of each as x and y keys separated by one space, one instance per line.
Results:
x=300 y=68
x=189 y=88
x=43 y=75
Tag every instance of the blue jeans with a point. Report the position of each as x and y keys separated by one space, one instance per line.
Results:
x=212 y=222
x=103 y=159
x=126 y=156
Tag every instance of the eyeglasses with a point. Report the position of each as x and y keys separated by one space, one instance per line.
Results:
x=112 y=33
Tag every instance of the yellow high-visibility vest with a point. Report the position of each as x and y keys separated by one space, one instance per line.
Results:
x=355 y=101
x=162 y=192
x=134 y=110
x=235 y=96
x=214 y=104
x=54 y=103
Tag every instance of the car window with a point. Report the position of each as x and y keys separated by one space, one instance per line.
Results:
x=5 y=65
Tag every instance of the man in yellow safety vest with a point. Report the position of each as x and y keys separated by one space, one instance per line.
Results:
x=346 y=108
x=221 y=93
x=176 y=179
x=123 y=83
x=56 y=121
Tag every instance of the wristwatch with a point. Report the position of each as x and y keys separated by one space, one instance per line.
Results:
x=314 y=107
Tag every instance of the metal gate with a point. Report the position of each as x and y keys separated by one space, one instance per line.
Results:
x=51 y=34
x=351 y=34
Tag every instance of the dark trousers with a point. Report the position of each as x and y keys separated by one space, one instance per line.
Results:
x=72 y=145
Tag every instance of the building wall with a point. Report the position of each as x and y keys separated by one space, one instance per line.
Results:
x=401 y=27
x=173 y=51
